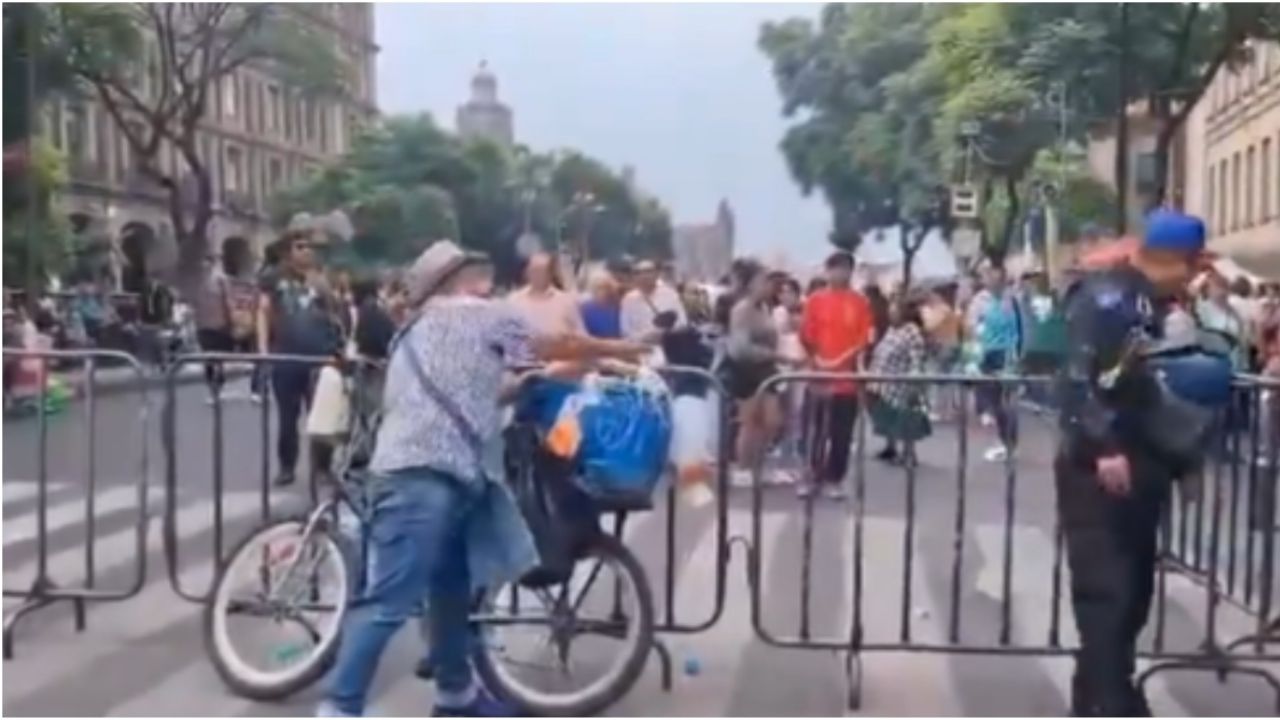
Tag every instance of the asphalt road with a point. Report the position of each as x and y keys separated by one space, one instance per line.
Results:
x=145 y=656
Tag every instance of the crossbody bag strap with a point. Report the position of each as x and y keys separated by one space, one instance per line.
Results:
x=468 y=431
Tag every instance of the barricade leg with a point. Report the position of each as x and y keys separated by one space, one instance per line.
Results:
x=664 y=659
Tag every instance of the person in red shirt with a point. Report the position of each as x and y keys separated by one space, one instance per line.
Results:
x=836 y=330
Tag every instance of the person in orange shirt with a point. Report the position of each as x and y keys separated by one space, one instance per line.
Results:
x=836 y=331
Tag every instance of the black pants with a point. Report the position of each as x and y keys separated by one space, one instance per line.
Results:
x=830 y=420
x=993 y=398
x=215 y=341
x=1111 y=549
x=291 y=383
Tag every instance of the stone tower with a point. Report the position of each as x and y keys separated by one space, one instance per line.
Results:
x=484 y=116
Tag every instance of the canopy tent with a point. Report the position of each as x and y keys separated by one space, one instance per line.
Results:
x=880 y=258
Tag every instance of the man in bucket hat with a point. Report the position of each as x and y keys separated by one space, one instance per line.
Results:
x=1112 y=476
x=443 y=523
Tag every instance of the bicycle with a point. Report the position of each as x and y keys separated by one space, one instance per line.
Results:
x=310 y=573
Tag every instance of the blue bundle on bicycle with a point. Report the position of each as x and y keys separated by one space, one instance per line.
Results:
x=618 y=432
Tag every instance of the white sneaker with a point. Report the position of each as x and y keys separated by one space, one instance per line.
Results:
x=987 y=420
x=778 y=476
x=804 y=490
x=999 y=453
x=741 y=477
x=835 y=492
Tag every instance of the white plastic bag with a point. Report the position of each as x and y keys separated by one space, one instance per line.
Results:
x=330 y=406
x=693 y=447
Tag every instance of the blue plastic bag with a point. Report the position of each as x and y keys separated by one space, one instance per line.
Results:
x=625 y=437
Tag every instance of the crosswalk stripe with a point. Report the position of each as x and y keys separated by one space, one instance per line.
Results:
x=899 y=684
x=716 y=654
x=44 y=660
x=19 y=490
x=121 y=548
x=72 y=511
x=173 y=696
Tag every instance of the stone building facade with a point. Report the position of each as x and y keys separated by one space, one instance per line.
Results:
x=259 y=136
x=703 y=252
x=1233 y=161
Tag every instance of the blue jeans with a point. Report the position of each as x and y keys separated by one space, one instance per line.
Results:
x=418 y=537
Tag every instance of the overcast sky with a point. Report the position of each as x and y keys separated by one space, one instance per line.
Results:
x=679 y=91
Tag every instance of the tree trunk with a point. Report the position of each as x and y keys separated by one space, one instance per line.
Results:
x=1010 y=220
x=1164 y=145
x=1122 y=126
x=910 y=247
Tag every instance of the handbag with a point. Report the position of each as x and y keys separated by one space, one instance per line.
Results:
x=330 y=414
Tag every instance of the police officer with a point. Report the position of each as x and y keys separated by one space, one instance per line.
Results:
x=1111 y=481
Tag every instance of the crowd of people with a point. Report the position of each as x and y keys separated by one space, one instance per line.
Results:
x=439 y=398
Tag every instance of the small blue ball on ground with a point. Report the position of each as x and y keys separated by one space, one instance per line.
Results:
x=692 y=666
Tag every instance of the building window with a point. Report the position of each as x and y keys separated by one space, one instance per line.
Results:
x=323 y=121
x=1224 y=201
x=229 y=99
x=233 y=178
x=77 y=133
x=309 y=110
x=273 y=108
x=276 y=173
x=1264 y=182
x=1211 y=197
x=1235 y=192
x=1250 y=166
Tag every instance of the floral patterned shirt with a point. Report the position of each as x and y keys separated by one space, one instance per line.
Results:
x=464 y=345
x=901 y=352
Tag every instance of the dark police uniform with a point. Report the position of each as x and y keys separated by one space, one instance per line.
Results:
x=1111 y=540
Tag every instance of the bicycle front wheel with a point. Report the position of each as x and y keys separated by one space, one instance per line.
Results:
x=574 y=648
x=273 y=620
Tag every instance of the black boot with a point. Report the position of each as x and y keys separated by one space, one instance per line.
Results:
x=1080 y=699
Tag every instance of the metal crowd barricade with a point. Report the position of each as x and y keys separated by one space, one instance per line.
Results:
x=45 y=589
x=1237 y=655
x=1231 y=553
x=218 y=489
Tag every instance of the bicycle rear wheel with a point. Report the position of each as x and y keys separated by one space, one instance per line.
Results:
x=571 y=649
x=272 y=623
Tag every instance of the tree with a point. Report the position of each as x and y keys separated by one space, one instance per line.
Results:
x=160 y=90
x=37 y=243
x=855 y=85
x=409 y=182
x=1179 y=49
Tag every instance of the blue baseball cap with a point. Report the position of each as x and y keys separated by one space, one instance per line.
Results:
x=1174 y=231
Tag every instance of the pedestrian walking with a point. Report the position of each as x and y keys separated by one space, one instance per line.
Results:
x=1046 y=336
x=754 y=356
x=297 y=317
x=213 y=324
x=1125 y=436
x=999 y=336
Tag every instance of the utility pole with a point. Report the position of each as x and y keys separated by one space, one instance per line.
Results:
x=1122 y=126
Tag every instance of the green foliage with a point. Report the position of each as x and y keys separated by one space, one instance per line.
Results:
x=42 y=43
x=879 y=93
x=37 y=243
x=408 y=182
